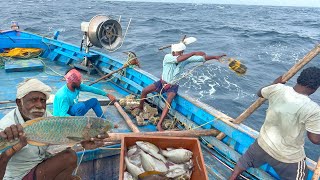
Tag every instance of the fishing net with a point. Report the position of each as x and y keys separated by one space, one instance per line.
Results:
x=22 y=53
x=237 y=66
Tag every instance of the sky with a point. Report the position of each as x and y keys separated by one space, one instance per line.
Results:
x=302 y=3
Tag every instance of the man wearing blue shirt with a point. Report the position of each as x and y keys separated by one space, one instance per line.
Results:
x=173 y=64
x=66 y=99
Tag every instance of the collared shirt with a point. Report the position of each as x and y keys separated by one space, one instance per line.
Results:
x=172 y=68
x=65 y=98
x=288 y=117
x=28 y=157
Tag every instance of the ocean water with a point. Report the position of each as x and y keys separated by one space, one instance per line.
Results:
x=268 y=40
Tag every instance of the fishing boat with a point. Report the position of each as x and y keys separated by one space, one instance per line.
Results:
x=220 y=153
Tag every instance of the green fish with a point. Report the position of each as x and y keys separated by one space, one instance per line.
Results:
x=61 y=130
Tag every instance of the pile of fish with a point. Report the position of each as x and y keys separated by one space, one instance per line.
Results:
x=147 y=115
x=146 y=161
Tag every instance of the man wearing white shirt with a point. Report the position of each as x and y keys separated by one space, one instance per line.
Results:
x=24 y=161
x=173 y=64
x=291 y=114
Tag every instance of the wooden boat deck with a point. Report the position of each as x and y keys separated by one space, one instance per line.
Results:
x=108 y=166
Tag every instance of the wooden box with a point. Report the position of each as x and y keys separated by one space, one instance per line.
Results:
x=192 y=144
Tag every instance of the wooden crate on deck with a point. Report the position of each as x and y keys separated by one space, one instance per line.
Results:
x=192 y=144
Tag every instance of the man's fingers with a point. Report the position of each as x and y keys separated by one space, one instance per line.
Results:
x=9 y=134
x=3 y=135
x=20 y=129
x=23 y=138
x=15 y=132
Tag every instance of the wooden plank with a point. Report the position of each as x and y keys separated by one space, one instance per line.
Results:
x=23 y=65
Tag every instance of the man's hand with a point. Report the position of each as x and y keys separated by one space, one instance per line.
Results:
x=111 y=97
x=279 y=80
x=22 y=143
x=222 y=56
x=199 y=53
x=12 y=133
x=94 y=143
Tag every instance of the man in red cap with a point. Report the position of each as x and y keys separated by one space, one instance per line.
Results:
x=66 y=99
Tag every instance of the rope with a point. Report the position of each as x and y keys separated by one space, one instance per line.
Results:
x=106 y=109
x=76 y=170
x=121 y=72
x=45 y=67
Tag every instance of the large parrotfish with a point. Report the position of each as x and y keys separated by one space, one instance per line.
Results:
x=61 y=130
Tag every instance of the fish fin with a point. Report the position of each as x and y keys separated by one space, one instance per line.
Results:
x=75 y=139
x=36 y=143
x=71 y=145
x=28 y=123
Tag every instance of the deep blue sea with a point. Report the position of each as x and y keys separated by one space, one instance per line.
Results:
x=268 y=40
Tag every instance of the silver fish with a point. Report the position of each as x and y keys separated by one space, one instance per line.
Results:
x=176 y=172
x=180 y=170
x=177 y=155
x=132 y=169
x=127 y=176
x=151 y=149
x=151 y=164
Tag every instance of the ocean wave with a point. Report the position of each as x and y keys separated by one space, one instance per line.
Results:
x=158 y=20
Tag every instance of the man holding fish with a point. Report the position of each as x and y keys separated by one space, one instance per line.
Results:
x=25 y=161
x=173 y=64
x=66 y=99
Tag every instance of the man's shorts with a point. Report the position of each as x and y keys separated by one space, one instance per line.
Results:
x=163 y=87
x=255 y=157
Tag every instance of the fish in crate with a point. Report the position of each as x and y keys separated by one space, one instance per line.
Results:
x=149 y=158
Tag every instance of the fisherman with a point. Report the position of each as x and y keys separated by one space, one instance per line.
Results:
x=23 y=161
x=173 y=64
x=66 y=99
x=281 y=140
x=14 y=25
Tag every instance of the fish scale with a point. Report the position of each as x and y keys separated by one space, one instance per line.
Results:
x=61 y=130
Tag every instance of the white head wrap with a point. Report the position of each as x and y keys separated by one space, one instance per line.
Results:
x=178 y=47
x=30 y=85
